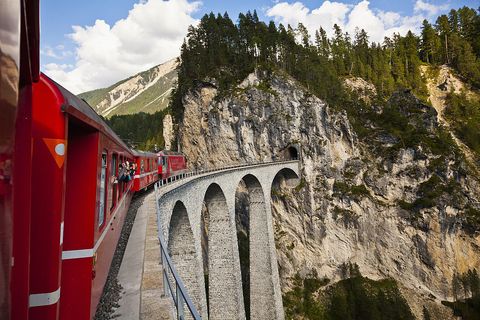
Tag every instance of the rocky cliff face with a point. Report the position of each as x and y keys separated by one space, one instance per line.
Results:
x=168 y=133
x=354 y=204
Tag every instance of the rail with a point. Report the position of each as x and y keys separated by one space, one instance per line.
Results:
x=179 y=294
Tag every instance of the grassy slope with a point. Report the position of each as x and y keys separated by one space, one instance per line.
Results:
x=140 y=103
x=147 y=101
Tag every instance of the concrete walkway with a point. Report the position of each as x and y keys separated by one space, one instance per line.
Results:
x=140 y=274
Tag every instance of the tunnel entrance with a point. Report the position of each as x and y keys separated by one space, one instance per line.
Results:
x=291 y=153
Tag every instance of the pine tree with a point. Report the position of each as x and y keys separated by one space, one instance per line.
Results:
x=303 y=35
x=443 y=28
x=322 y=42
x=338 y=50
x=430 y=43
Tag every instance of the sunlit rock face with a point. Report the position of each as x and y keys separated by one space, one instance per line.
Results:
x=351 y=203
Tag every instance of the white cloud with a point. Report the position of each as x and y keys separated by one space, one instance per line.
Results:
x=59 y=67
x=429 y=8
x=58 y=53
x=377 y=23
x=389 y=18
x=152 y=33
x=328 y=14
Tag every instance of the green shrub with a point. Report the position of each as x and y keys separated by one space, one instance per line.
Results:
x=341 y=188
x=472 y=217
x=463 y=113
x=353 y=298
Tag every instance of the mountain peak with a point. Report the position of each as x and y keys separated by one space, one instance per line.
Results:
x=147 y=91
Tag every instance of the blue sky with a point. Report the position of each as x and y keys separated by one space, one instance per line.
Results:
x=114 y=39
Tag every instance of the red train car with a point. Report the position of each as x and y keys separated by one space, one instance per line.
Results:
x=62 y=206
x=81 y=187
x=146 y=172
x=19 y=67
x=170 y=163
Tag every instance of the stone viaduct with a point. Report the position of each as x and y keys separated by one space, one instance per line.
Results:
x=205 y=204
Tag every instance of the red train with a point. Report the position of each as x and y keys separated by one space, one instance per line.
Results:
x=170 y=163
x=63 y=190
x=146 y=171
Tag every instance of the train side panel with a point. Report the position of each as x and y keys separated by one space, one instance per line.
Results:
x=170 y=164
x=48 y=191
x=147 y=171
x=9 y=91
x=19 y=61
x=176 y=163
x=109 y=223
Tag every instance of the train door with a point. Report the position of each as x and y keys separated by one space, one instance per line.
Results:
x=164 y=167
x=86 y=174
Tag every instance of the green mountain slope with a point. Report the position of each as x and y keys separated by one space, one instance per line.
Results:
x=148 y=91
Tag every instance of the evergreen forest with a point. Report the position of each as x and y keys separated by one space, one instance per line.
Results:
x=226 y=51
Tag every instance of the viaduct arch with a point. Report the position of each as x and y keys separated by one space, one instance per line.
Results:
x=199 y=211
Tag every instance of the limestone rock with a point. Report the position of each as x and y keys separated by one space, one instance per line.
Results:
x=318 y=227
x=168 y=133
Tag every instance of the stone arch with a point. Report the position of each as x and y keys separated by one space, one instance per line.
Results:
x=181 y=247
x=261 y=292
x=286 y=177
x=224 y=298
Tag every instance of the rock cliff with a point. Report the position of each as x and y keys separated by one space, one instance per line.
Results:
x=356 y=203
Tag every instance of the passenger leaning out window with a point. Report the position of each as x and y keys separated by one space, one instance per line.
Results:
x=127 y=172
x=121 y=172
x=133 y=168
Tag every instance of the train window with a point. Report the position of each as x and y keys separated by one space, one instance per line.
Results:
x=113 y=171
x=103 y=179
x=142 y=166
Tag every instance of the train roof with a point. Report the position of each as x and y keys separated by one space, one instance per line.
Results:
x=169 y=153
x=83 y=111
x=138 y=153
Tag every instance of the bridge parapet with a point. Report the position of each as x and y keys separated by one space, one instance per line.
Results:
x=180 y=222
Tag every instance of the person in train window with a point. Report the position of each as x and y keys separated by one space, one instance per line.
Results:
x=126 y=173
x=133 y=168
x=120 y=172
